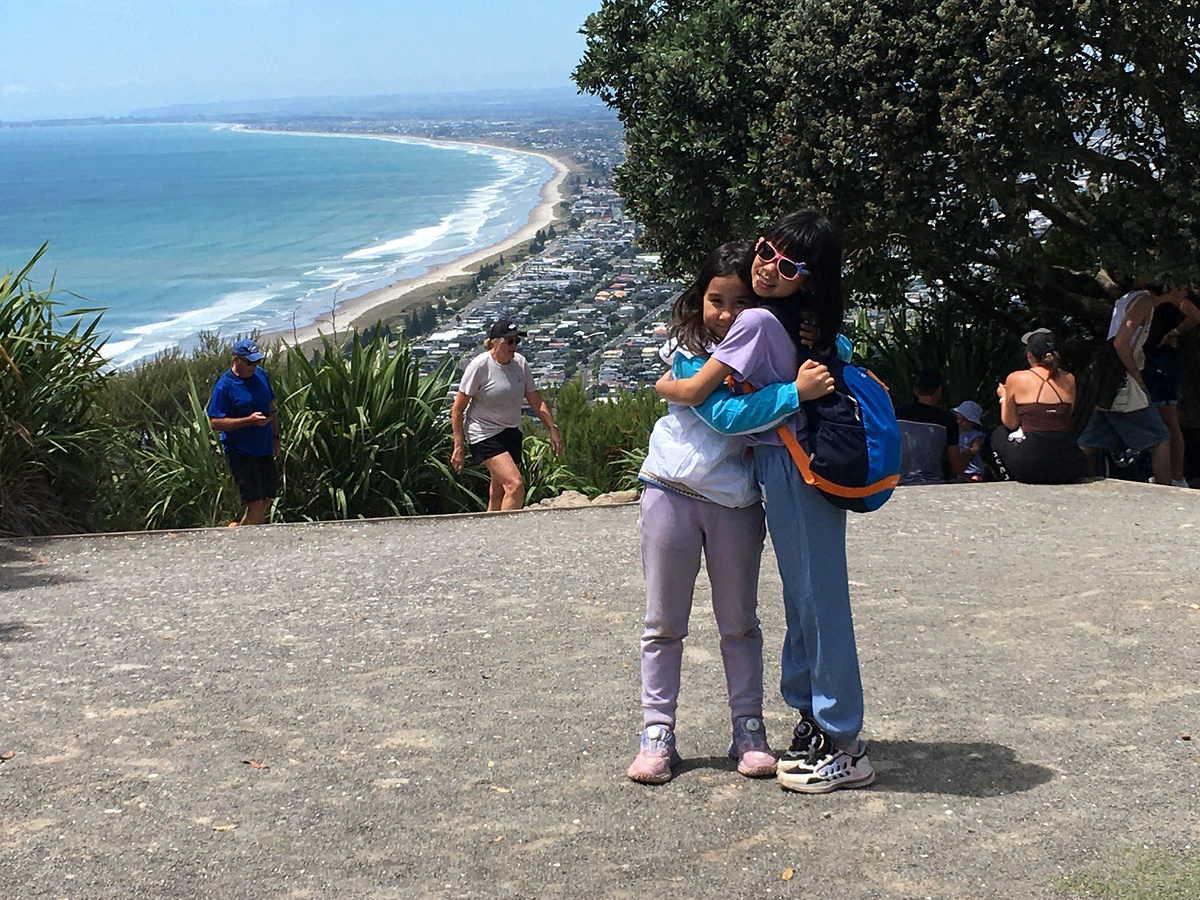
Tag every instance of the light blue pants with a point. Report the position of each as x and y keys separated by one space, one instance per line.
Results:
x=674 y=530
x=819 y=669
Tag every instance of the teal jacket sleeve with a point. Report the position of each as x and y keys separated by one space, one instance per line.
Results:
x=730 y=413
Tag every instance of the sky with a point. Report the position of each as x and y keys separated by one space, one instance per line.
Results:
x=80 y=58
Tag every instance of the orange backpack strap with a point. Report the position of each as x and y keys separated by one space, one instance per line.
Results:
x=804 y=464
x=810 y=477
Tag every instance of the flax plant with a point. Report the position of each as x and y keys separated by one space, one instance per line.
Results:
x=51 y=448
x=185 y=473
x=365 y=435
x=972 y=355
x=546 y=474
x=599 y=435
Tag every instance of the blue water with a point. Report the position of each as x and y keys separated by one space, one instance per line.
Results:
x=178 y=229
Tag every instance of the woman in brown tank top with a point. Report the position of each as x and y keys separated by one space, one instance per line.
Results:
x=1034 y=443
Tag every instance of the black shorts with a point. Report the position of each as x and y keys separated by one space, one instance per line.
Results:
x=256 y=477
x=1161 y=375
x=507 y=441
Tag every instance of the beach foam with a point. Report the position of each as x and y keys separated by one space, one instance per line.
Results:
x=190 y=228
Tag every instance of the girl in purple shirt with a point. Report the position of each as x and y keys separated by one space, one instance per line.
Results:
x=797 y=273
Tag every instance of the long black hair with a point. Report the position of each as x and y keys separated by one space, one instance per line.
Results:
x=687 y=315
x=807 y=236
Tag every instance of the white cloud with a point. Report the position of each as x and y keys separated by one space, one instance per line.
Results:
x=9 y=89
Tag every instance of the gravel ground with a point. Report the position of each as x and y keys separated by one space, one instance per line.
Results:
x=446 y=707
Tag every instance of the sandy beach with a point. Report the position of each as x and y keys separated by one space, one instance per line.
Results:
x=355 y=312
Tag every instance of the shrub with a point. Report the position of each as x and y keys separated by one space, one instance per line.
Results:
x=155 y=390
x=366 y=435
x=597 y=436
x=185 y=481
x=51 y=447
x=973 y=356
x=546 y=474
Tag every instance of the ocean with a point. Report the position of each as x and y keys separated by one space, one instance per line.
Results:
x=178 y=229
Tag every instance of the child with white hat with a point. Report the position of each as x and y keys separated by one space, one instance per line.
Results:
x=970 y=439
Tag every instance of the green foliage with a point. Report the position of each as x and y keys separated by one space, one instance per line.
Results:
x=629 y=465
x=972 y=356
x=51 y=450
x=597 y=435
x=156 y=390
x=365 y=435
x=1142 y=875
x=423 y=321
x=544 y=472
x=1020 y=156
x=186 y=483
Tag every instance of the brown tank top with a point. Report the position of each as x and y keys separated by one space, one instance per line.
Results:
x=1038 y=416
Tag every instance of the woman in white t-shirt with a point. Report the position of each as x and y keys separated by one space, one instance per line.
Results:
x=486 y=416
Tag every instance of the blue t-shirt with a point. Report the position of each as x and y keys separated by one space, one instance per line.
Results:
x=236 y=398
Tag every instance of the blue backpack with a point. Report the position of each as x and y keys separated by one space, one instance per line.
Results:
x=851 y=453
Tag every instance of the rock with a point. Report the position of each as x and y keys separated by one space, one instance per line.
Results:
x=566 y=500
x=616 y=497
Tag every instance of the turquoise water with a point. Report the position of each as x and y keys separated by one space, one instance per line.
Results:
x=177 y=229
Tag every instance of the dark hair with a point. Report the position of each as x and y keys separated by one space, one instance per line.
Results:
x=1049 y=361
x=687 y=315
x=807 y=236
x=928 y=381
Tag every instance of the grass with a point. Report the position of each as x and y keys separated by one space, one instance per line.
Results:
x=1138 y=873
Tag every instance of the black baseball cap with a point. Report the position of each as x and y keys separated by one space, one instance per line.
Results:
x=1038 y=342
x=506 y=328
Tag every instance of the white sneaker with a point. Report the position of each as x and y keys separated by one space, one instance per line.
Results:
x=829 y=771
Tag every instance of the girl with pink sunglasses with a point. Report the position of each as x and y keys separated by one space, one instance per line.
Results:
x=797 y=275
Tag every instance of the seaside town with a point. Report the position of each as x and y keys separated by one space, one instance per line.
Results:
x=591 y=304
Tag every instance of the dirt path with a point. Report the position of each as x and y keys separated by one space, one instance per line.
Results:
x=445 y=708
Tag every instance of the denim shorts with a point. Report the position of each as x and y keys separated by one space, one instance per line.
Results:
x=1121 y=431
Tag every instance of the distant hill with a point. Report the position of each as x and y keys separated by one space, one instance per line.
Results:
x=564 y=102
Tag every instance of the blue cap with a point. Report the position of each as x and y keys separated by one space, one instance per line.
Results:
x=247 y=350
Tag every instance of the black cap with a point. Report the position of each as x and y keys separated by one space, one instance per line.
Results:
x=1038 y=342
x=506 y=328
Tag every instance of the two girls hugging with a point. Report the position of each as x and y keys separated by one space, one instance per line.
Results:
x=763 y=313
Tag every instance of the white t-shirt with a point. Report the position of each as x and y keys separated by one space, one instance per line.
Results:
x=497 y=394
x=1120 y=308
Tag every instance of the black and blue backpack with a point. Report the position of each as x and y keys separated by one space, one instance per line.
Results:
x=851 y=451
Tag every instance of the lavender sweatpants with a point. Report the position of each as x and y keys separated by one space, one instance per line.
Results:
x=674 y=529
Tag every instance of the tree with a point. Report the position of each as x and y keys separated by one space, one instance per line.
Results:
x=1034 y=153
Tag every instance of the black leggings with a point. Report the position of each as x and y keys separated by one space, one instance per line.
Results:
x=1043 y=457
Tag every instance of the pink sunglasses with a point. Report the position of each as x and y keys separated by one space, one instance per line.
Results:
x=787 y=268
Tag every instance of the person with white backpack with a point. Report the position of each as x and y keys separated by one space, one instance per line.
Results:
x=1129 y=424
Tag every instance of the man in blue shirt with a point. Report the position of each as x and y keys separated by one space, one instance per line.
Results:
x=242 y=408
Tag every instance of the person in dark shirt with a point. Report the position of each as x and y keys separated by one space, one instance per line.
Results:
x=1175 y=313
x=921 y=463
x=242 y=408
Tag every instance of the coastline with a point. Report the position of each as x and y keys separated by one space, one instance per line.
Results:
x=355 y=312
